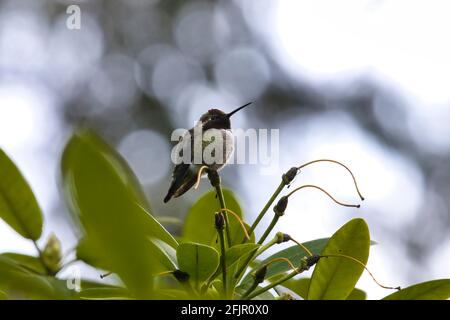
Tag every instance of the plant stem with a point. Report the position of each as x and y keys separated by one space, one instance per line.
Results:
x=273 y=284
x=265 y=247
x=249 y=290
x=266 y=207
x=269 y=228
x=214 y=178
x=223 y=260
x=263 y=238
x=224 y=212
x=305 y=264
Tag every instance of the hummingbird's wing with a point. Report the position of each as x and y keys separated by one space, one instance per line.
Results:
x=182 y=180
x=183 y=177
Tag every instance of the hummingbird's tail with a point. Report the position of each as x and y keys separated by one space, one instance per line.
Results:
x=183 y=180
x=168 y=196
x=176 y=191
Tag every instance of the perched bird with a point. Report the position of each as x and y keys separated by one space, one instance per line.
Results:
x=214 y=121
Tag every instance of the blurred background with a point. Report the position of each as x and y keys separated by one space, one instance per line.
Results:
x=365 y=82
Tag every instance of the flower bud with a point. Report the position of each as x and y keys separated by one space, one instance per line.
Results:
x=289 y=176
x=282 y=237
x=219 y=221
x=280 y=207
x=51 y=255
x=312 y=260
x=260 y=274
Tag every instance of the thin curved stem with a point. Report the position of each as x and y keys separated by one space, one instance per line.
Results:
x=199 y=176
x=361 y=264
x=289 y=262
x=239 y=220
x=339 y=163
x=301 y=245
x=323 y=190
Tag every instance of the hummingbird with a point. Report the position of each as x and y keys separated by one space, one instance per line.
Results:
x=184 y=175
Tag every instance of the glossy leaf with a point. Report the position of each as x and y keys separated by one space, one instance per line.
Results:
x=264 y=296
x=104 y=195
x=335 y=278
x=295 y=254
x=198 y=260
x=22 y=284
x=18 y=205
x=104 y=293
x=237 y=232
x=301 y=287
x=30 y=263
x=199 y=225
x=87 y=252
x=155 y=228
x=298 y=286
x=235 y=253
x=357 y=294
x=431 y=290
x=174 y=221
x=174 y=294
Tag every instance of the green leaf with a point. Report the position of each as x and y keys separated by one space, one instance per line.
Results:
x=30 y=263
x=263 y=296
x=104 y=293
x=155 y=228
x=295 y=254
x=357 y=294
x=18 y=283
x=198 y=260
x=18 y=205
x=87 y=252
x=175 y=221
x=173 y=294
x=335 y=278
x=237 y=232
x=234 y=258
x=301 y=287
x=104 y=195
x=199 y=225
x=235 y=253
x=431 y=290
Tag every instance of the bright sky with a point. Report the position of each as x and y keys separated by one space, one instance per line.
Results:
x=401 y=43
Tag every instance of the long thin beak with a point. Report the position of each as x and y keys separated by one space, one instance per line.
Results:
x=234 y=111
